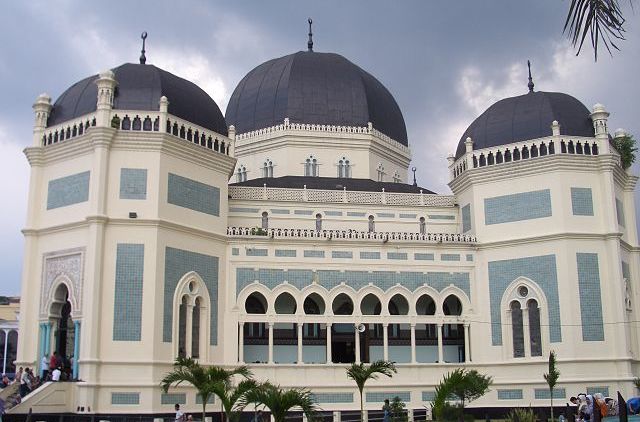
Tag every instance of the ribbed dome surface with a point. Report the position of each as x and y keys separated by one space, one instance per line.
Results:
x=314 y=88
x=140 y=88
x=526 y=117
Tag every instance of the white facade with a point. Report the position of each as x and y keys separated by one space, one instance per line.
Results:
x=151 y=254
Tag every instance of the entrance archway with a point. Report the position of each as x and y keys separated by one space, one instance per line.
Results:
x=64 y=336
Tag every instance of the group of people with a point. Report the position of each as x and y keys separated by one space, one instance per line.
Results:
x=28 y=380
x=607 y=406
x=55 y=368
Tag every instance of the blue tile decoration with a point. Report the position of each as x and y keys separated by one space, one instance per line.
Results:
x=127 y=303
x=466 y=218
x=193 y=195
x=342 y=254
x=590 y=298
x=604 y=390
x=369 y=255
x=303 y=212
x=286 y=253
x=380 y=396
x=235 y=251
x=423 y=256
x=173 y=398
x=125 y=398
x=133 y=183
x=517 y=207
x=356 y=214
x=279 y=211
x=177 y=263
x=333 y=397
x=333 y=213
x=313 y=254
x=510 y=394
x=385 y=215
x=441 y=217
x=469 y=257
x=620 y=212
x=211 y=400
x=540 y=269
x=68 y=190
x=257 y=252
x=244 y=210
x=412 y=216
x=428 y=395
x=329 y=279
x=449 y=257
x=626 y=271
x=397 y=255
x=581 y=201
x=544 y=394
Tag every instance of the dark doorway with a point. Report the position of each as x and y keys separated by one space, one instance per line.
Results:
x=342 y=343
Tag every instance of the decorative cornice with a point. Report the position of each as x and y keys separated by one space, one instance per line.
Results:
x=548 y=237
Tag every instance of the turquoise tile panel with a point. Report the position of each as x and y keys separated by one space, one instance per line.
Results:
x=469 y=257
x=356 y=214
x=127 y=303
x=386 y=215
x=397 y=255
x=257 y=252
x=510 y=394
x=412 y=216
x=286 y=253
x=428 y=395
x=125 y=398
x=193 y=195
x=450 y=257
x=244 y=210
x=620 y=212
x=211 y=400
x=540 y=269
x=590 y=297
x=333 y=213
x=235 y=251
x=380 y=396
x=173 y=398
x=68 y=190
x=581 y=201
x=369 y=255
x=342 y=254
x=517 y=207
x=177 y=263
x=604 y=390
x=133 y=183
x=303 y=212
x=626 y=271
x=333 y=397
x=313 y=254
x=279 y=211
x=441 y=217
x=544 y=394
x=424 y=257
x=466 y=218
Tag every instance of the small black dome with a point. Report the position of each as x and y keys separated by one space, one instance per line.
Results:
x=526 y=117
x=314 y=88
x=140 y=88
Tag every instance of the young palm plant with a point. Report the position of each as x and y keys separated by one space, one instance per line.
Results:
x=552 y=377
x=206 y=380
x=361 y=373
x=231 y=397
x=280 y=401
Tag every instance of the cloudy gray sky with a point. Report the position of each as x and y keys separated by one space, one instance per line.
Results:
x=444 y=61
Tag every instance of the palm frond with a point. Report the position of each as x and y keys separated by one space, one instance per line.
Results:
x=361 y=373
x=281 y=401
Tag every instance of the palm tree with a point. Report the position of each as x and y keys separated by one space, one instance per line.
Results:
x=207 y=380
x=280 y=401
x=231 y=397
x=552 y=377
x=361 y=373
x=466 y=385
x=601 y=19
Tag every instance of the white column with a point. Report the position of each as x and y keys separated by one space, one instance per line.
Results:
x=385 y=341
x=467 y=346
x=189 y=331
x=440 y=348
x=6 y=342
x=328 y=329
x=271 y=325
x=357 y=352
x=241 y=343
x=300 y=325
x=413 y=343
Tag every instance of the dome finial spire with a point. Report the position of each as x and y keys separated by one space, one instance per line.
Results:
x=143 y=58
x=413 y=169
x=310 y=42
x=530 y=85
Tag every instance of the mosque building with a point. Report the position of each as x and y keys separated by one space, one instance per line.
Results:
x=290 y=235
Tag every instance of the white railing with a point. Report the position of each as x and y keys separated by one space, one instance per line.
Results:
x=285 y=233
x=340 y=196
x=69 y=129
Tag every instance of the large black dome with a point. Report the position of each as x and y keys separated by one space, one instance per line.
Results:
x=526 y=117
x=140 y=88
x=314 y=88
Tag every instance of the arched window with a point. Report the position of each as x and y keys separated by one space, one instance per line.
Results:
x=318 y=222
x=267 y=168
x=182 y=328
x=311 y=167
x=372 y=224
x=522 y=301
x=380 y=171
x=423 y=226
x=535 y=336
x=517 y=330
x=195 y=330
x=192 y=327
x=342 y=305
x=265 y=221
x=241 y=174
x=344 y=168
x=396 y=177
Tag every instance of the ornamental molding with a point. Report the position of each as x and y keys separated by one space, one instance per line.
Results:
x=62 y=267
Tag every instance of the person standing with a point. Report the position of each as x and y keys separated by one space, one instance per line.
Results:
x=179 y=414
x=44 y=368
x=55 y=375
x=387 y=411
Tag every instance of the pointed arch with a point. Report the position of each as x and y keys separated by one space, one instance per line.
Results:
x=191 y=297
